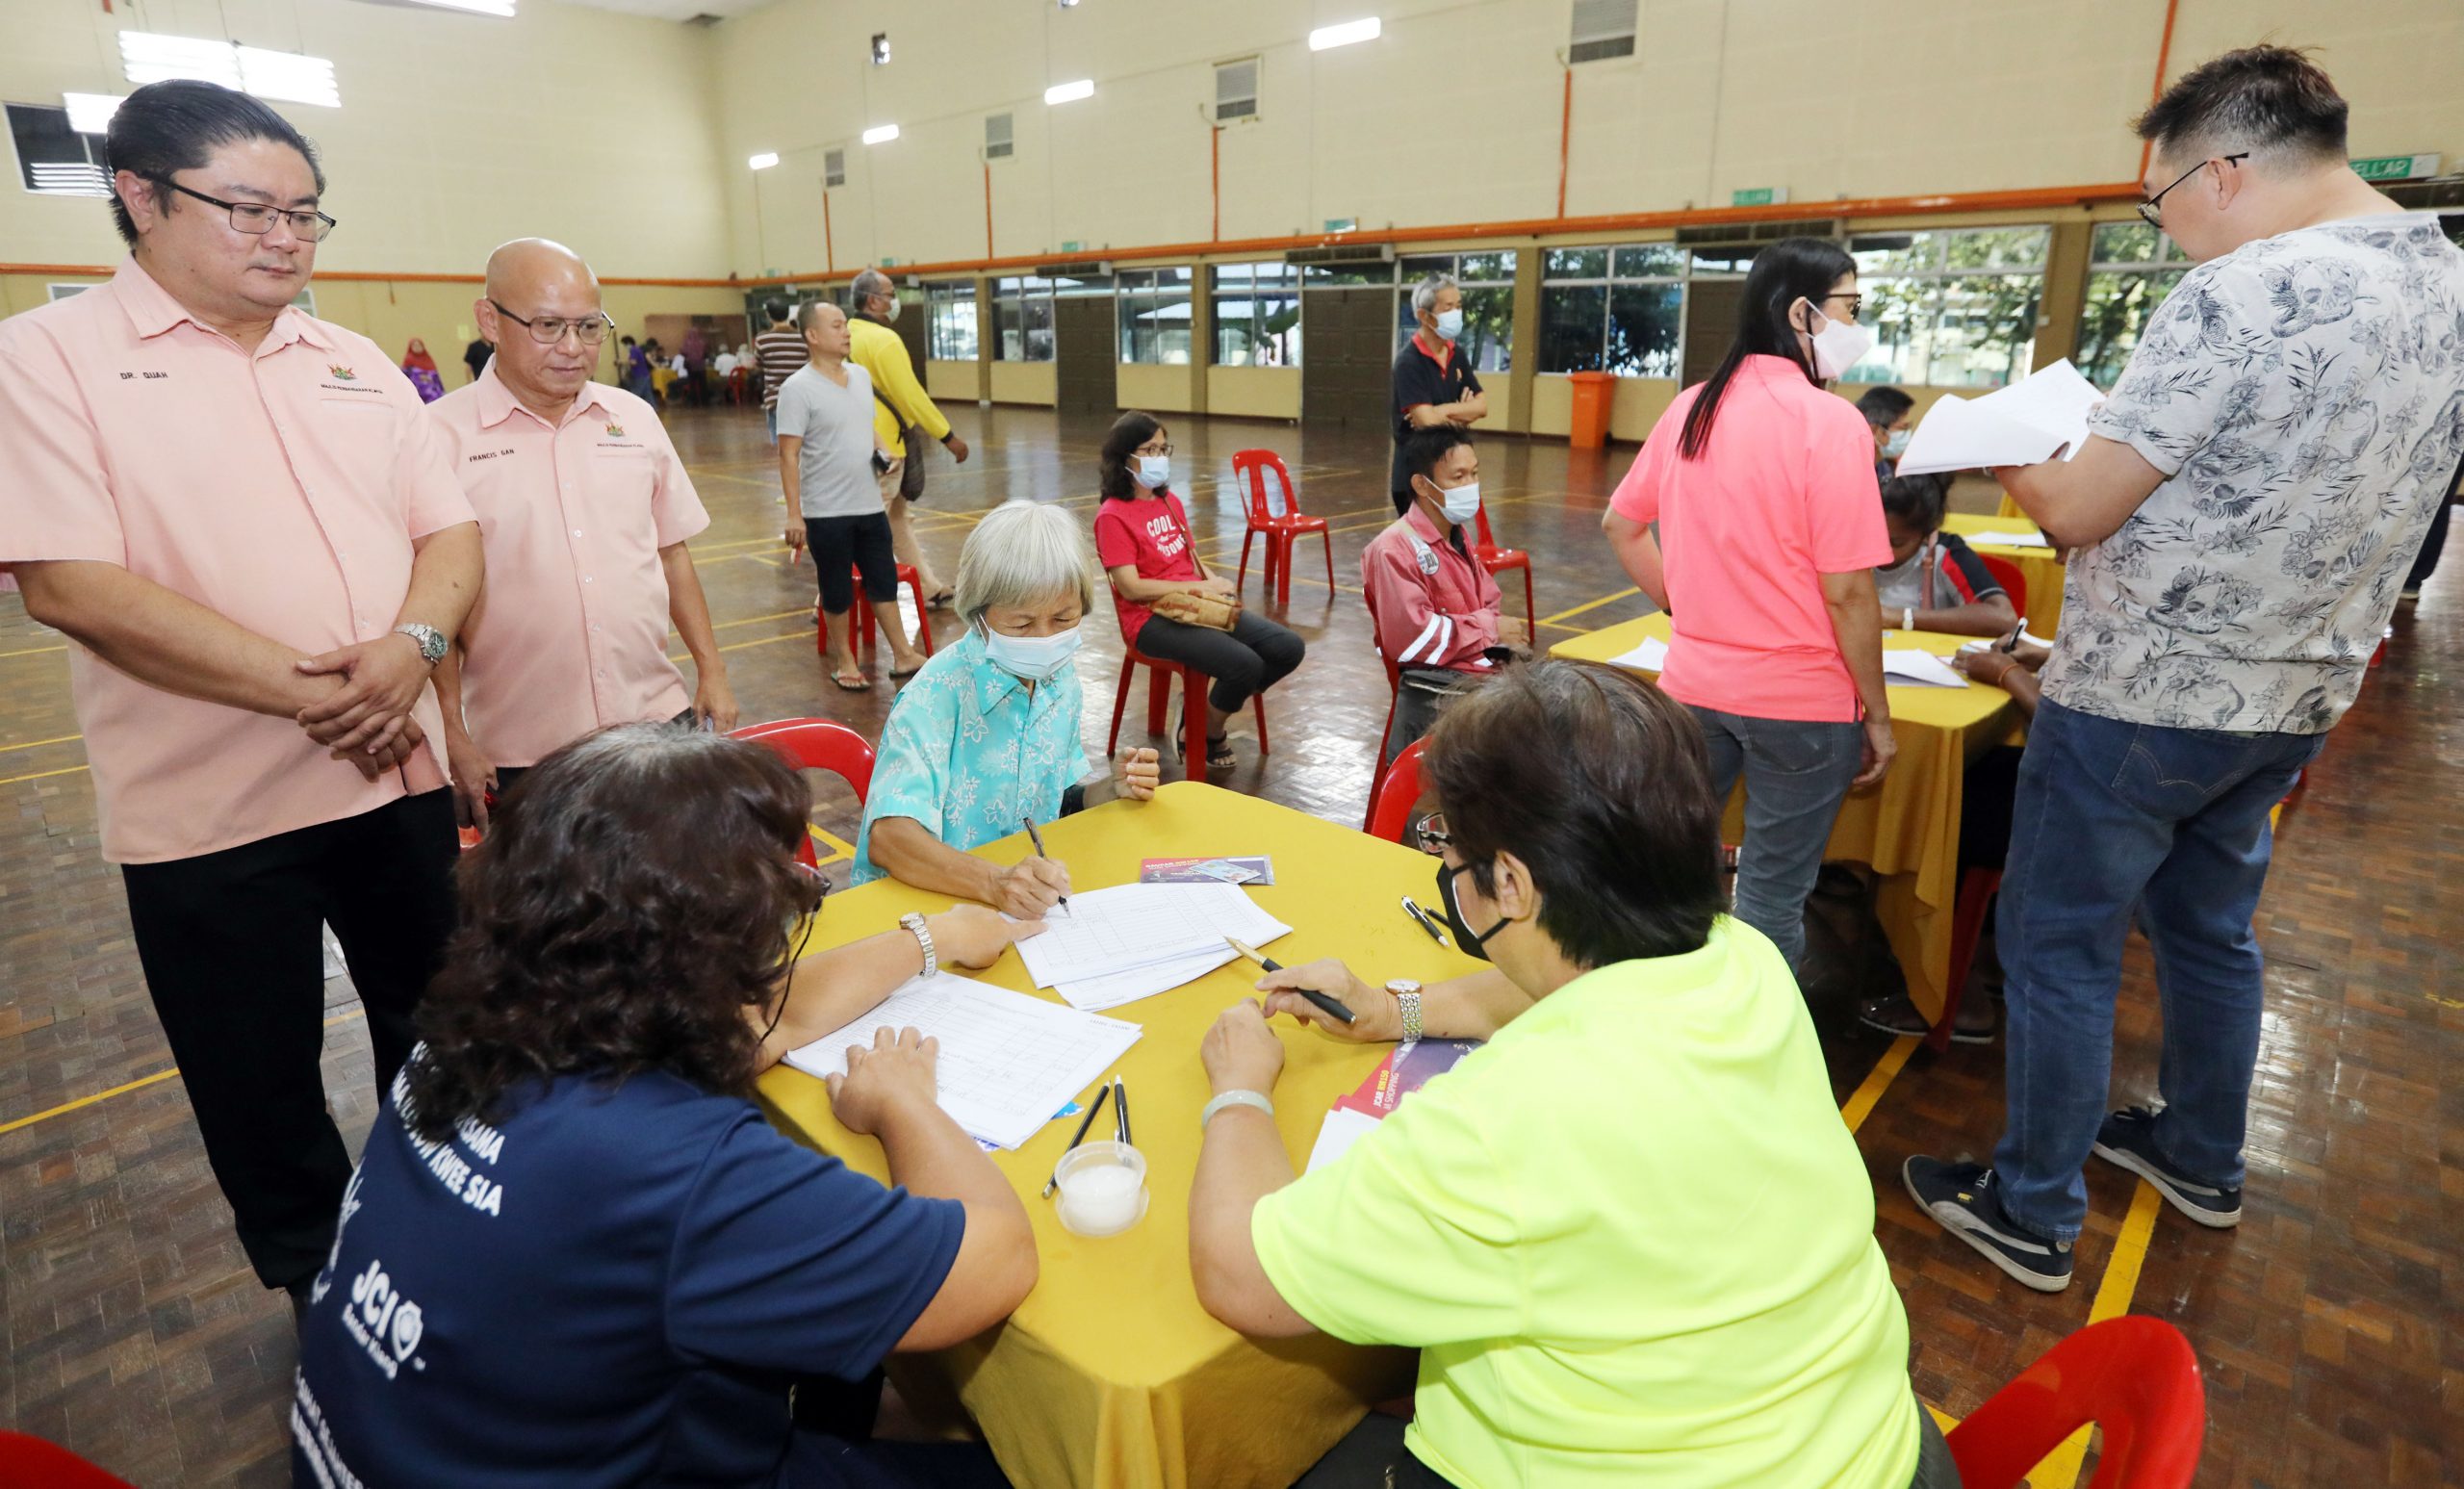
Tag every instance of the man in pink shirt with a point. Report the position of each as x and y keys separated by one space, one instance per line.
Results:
x=1433 y=607
x=585 y=510
x=244 y=520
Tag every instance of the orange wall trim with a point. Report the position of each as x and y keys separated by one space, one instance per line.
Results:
x=2034 y=198
x=2163 y=55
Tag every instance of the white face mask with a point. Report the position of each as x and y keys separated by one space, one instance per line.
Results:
x=1153 y=471
x=890 y=316
x=1449 y=324
x=1036 y=659
x=1897 y=445
x=1839 y=345
x=1462 y=504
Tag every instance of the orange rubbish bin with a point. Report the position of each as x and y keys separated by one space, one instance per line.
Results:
x=1593 y=394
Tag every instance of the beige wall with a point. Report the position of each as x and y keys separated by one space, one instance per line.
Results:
x=962 y=381
x=1254 y=392
x=1020 y=382
x=456 y=132
x=1950 y=97
x=1159 y=389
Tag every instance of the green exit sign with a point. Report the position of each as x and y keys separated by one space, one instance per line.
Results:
x=1072 y=246
x=2397 y=167
x=1758 y=197
x=1342 y=224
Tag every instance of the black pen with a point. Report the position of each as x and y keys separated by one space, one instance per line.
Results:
x=2011 y=642
x=1120 y=1111
x=1330 y=1007
x=1085 y=1122
x=1426 y=924
x=1036 y=839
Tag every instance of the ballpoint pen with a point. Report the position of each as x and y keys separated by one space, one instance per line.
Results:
x=1078 y=1137
x=1036 y=839
x=1421 y=915
x=1332 y=1008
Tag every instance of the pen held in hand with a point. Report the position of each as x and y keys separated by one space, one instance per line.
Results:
x=1078 y=1137
x=1036 y=839
x=1330 y=1007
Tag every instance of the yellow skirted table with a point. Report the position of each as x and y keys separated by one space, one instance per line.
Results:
x=2036 y=565
x=1907 y=828
x=1109 y=1374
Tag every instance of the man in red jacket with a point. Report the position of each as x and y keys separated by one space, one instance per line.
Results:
x=1435 y=608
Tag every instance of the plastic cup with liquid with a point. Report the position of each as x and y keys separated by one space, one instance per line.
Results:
x=1102 y=1189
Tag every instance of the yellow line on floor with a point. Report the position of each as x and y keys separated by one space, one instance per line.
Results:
x=35 y=651
x=1885 y=1070
x=37 y=744
x=2060 y=1468
x=122 y=1089
x=1591 y=604
x=66 y=770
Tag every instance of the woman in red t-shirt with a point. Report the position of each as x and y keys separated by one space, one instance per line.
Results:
x=1143 y=539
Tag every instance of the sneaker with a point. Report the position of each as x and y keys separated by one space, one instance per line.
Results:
x=1961 y=1198
x=2128 y=1138
x=1974 y=1024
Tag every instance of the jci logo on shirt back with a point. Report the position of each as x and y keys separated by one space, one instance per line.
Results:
x=387 y=1324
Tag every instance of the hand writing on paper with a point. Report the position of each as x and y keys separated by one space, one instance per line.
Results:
x=896 y=1074
x=1030 y=888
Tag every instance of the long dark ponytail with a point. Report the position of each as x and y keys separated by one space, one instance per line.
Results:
x=1792 y=269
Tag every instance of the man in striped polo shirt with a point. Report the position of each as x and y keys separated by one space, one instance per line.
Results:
x=781 y=350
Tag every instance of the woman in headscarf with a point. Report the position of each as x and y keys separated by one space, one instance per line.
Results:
x=422 y=373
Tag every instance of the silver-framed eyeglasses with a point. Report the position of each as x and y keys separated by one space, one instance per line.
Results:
x=547 y=330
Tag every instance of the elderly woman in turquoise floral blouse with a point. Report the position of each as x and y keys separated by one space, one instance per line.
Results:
x=988 y=733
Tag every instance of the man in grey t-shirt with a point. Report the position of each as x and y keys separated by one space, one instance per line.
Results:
x=828 y=463
x=2243 y=510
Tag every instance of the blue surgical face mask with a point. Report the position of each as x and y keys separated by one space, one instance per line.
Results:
x=1036 y=659
x=1449 y=324
x=1153 y=471
x=1897 y=445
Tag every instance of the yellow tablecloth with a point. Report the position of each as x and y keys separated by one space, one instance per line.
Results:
x=1109 y=1374
x=2036 y=565
x=1907 y=829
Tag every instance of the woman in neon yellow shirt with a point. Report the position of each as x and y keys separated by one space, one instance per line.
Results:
x=1629 y=1235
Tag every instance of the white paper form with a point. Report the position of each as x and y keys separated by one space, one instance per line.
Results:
x=1342 y=1128
x=2021 y=424
x=1912 y=668
x=1650 y=657
x=1094 y=994
x=1006 y=1062
x=2007 y=540
x=1128 y=926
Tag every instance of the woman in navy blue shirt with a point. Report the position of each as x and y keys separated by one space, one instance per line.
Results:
x=573 y=1252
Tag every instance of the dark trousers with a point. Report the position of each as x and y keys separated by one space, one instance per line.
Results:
x=843 y=546
x=235 y=970
x=2433 y=543
x=1421 y=695
x=1255 y=655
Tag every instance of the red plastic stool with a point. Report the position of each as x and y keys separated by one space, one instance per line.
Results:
x=868 y=629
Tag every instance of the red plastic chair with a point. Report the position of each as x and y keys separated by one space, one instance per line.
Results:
x=2134 y=1376
x=1977 y=888
x=1393 y=701
x=1398 y=795
x=818 y=744
x=867 y=629
x=1497 y=560
x=31 y=1463
x=2014 y=585
x=1249 y=469
x=1159 y=689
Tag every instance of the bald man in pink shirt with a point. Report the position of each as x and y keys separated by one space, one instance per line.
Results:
x=245 y=522
x=584 y=509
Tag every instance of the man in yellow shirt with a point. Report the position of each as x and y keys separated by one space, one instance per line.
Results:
x=903 y=415
x=1629 y=1235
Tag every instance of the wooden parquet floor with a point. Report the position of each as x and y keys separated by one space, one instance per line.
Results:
x=2330 y=1325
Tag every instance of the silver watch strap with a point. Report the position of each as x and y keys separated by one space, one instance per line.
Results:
x=923 y=933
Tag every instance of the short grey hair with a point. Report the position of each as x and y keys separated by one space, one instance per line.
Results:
x=1024 y=554
x=869 y=283
x=1425 y=294
x=811 y=311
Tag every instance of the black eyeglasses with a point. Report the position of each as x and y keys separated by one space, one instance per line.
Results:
x=1855 y=303
x=1432 y=835
x=547 y=330
x=256 y=218
x=2151 y=211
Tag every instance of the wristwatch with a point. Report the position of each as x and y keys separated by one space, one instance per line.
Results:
x=1907 y=617
x=431 y=641
x=913 y=922
x=1234 y=1098
x=1407 y=999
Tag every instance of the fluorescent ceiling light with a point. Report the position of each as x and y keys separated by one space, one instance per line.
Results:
x=91 y=114
x=1345 y=35
x=503 y=7
x=1070 y=92
x=285 y=77
x=763 y=161
x=881 y=134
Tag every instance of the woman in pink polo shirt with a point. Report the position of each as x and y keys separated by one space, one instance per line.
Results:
x=1770 y=529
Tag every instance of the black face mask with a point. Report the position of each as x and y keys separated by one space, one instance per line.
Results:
x=1470 y=942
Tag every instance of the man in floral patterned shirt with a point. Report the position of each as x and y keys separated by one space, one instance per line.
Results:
x=2244 y=509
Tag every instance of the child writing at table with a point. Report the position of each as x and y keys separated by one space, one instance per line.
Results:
x=1934 y=582
x=1628 y=1235
x=573 y=1252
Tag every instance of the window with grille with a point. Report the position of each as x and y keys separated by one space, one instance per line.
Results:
x=1602 y=29
x=1488 y=302
x=834 y=167
x=1257 y=312
x=1950 y=309
x=1616 y=308
x=1235 y=89
x=2132 y=268
x=998 y=143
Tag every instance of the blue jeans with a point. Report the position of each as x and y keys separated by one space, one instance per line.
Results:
x=2111 y=817
x=1796 y=774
